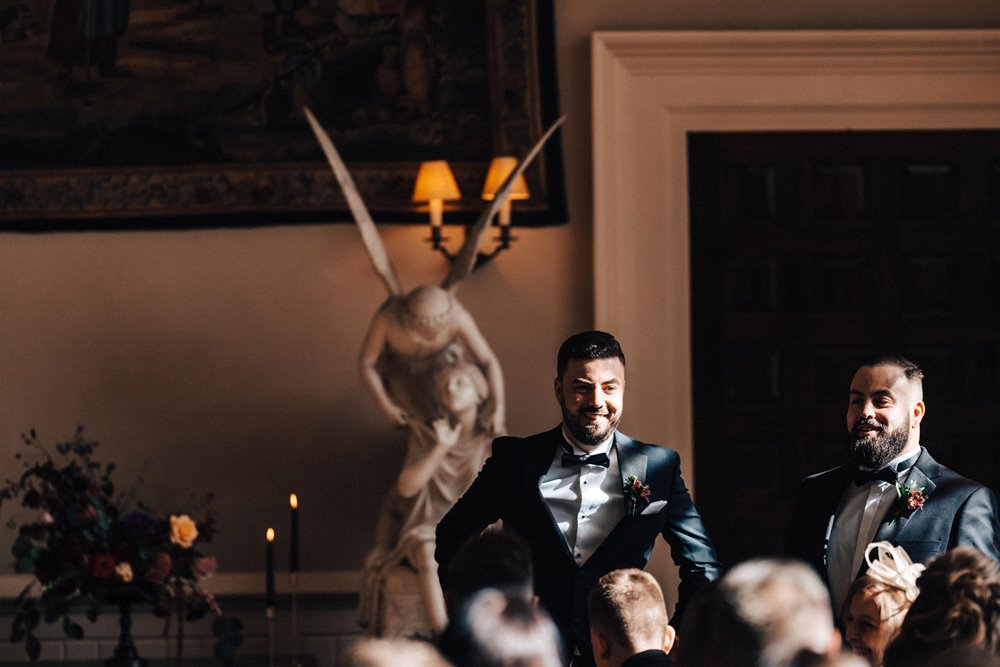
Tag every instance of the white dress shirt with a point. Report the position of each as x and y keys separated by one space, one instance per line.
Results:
x=587 y=501
x=861 y=512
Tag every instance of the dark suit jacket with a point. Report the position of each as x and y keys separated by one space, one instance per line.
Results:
x=507 y=488
x=957 y=511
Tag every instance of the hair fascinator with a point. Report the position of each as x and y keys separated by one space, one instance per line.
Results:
x=892 y=566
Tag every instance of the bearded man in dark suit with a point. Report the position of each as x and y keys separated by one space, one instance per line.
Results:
x=586 y=498
x=891 y=488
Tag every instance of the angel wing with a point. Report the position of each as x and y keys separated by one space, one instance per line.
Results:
x=466 y=257
x=369 y=234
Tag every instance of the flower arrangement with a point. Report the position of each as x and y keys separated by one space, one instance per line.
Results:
x=89 y=547
x=638 y=492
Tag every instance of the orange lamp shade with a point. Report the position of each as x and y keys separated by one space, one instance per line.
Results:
x=435 y=181
x=500 y=169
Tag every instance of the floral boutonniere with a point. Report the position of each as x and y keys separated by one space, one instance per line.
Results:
x=638 y=492
x=909 y=500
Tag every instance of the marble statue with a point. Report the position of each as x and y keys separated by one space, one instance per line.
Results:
x=430 y=370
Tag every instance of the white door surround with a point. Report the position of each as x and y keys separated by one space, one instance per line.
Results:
x=651 y=88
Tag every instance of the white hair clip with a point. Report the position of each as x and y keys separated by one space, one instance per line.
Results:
x=892 y=566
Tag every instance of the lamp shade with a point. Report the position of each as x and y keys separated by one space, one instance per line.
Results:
x=500 y=169
x=435 y=181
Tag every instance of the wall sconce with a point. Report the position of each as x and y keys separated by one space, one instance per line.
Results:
x=436 y=183
x=500 y=169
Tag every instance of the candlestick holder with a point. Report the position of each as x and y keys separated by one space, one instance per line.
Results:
x=270 y=637
x=296 y=649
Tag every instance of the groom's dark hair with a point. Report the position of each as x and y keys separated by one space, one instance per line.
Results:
x=588 y=345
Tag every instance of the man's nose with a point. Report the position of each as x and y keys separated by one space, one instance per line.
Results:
x=593 y=396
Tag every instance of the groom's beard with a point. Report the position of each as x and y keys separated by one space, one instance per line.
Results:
x=588 y=434
x=875 y=451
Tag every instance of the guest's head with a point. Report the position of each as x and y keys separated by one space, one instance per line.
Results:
x=958 y=605
x=492 y=560
x=763 y=613
x=877 y=602
x=627 y=616
x=392 y=652
x=496 y=629
x=590 y=386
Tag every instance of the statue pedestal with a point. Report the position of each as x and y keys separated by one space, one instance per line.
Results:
x=402 y=607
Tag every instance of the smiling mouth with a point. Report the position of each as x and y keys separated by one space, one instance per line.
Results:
x=860 y=650
x=866 y=429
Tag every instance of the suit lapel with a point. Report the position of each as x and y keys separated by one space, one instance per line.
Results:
x=630 y=462
x=826 y=502
x=540 y=457
x=895 y=520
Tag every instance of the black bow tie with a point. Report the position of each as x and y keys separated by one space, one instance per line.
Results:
x=862 y=477
x=593 y=459
x=571 y=459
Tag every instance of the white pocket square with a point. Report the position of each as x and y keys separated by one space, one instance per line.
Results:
x=654 y=507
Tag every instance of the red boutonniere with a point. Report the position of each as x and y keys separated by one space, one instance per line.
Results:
x=638 y=492
x=909 y=500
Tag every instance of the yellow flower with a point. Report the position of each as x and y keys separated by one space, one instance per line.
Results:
x=183 y=531
x=124 y=572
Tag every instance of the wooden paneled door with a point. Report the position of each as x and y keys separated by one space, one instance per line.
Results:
x=807 y=251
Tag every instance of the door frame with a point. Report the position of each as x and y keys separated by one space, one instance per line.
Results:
x=651 y=88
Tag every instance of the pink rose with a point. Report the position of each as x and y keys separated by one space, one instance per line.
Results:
x=205 y=566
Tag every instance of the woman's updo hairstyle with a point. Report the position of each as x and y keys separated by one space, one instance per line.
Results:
x=958 y=604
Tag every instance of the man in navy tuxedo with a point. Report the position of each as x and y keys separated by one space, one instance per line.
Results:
x=890 y=489
x=586 y=498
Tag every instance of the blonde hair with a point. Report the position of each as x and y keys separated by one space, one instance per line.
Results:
x=891 y=602
x=890 y=583
x=627 y=607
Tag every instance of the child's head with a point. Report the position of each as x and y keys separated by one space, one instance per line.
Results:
x=877 y=602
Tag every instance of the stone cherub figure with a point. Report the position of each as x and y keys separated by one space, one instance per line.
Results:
x=418 y=346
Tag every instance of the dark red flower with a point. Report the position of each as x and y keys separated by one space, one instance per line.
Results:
x=160 y=569
x=915 y=500
x=103 y=566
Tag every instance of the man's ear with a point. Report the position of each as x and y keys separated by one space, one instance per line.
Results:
x=602 y=646
x=669 y=638
x=557 y=385
x=917 y=413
